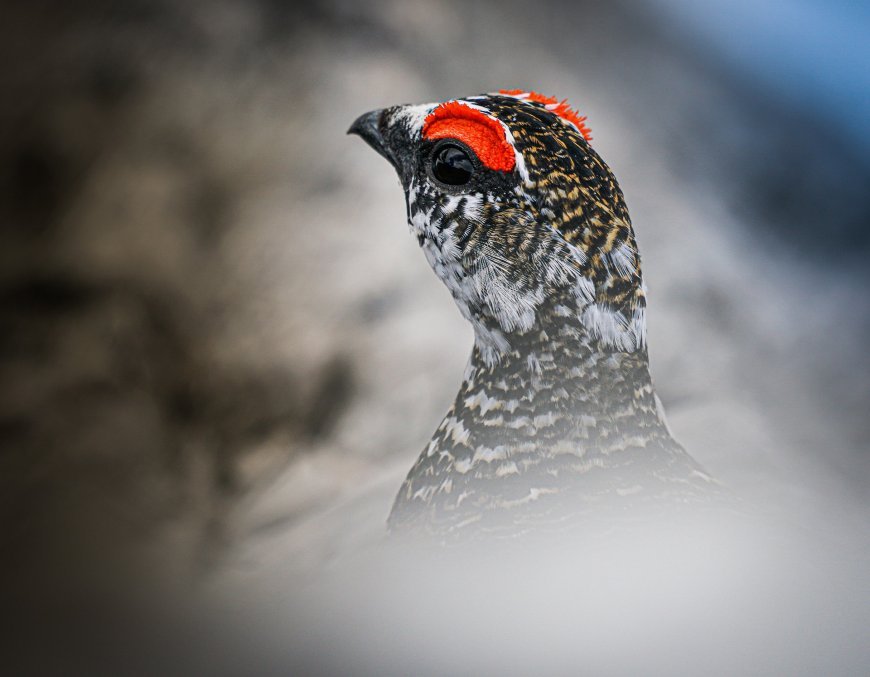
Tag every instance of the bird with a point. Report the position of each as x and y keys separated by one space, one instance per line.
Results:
x=556 y=417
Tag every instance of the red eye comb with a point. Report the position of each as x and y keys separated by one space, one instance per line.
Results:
x=479 y=131
x=552 y=104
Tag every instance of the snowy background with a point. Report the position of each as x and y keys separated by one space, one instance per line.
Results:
x=220 y=351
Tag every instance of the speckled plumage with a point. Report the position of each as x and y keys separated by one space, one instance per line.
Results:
x=556 y=413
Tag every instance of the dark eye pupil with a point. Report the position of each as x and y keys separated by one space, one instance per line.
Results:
x=451 y=165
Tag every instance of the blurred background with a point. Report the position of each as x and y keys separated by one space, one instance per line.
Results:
x=220 y=351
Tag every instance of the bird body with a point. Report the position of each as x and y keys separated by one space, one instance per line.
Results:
x=527 y=227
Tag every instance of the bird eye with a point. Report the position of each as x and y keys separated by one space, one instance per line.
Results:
x=451 y=165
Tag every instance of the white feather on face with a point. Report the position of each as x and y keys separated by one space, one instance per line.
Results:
x=412 y=117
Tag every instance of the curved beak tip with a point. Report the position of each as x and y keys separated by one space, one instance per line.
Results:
x=368 y=127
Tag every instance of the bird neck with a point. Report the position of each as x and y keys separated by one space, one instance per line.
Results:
x=553 y=407
x=556 y=387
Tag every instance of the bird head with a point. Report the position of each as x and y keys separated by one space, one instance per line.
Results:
x=518 y=216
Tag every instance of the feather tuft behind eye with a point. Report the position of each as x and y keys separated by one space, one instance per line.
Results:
x=552 y=104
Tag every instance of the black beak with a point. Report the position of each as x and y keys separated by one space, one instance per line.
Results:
x=367 y=126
